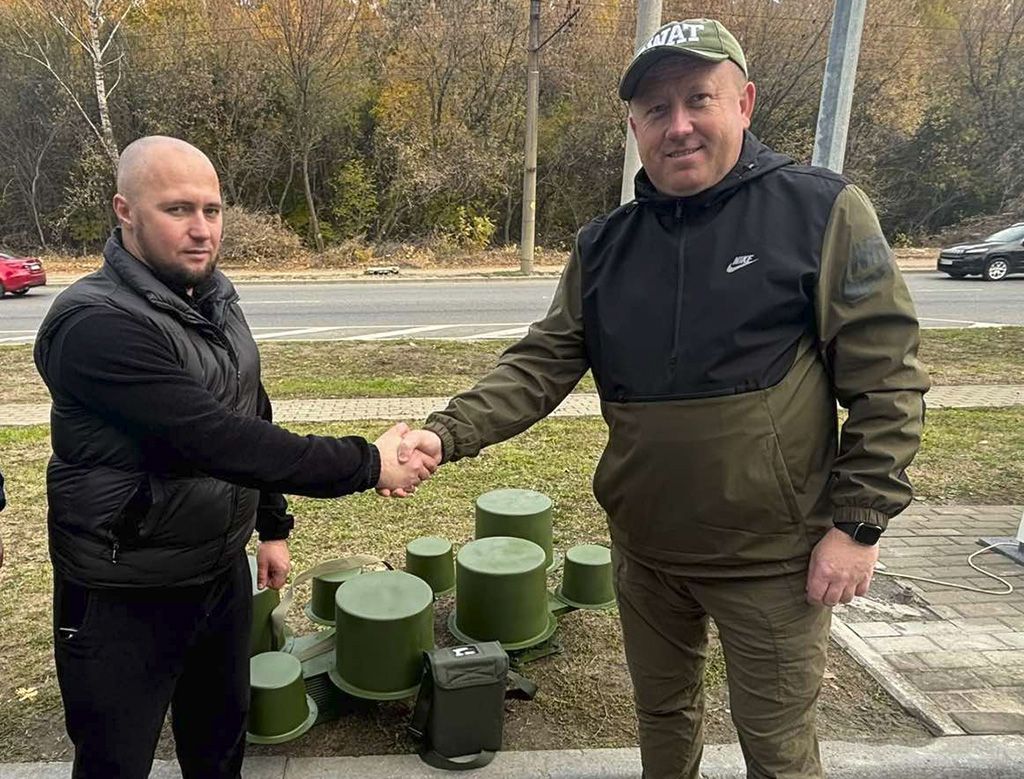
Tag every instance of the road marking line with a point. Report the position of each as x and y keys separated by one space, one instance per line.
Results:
x=245 y=303
x=395 y=333
x=519 y=330
x=302 y=331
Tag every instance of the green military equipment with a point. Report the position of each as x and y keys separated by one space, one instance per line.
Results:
x=385 y=621
x=430 y=558
x=279 y=708
x=500 y=593
x=587 y=578
x=328 y=698
x=261 y=636
x=320 y=608
x=459 y=711
x=518 y=513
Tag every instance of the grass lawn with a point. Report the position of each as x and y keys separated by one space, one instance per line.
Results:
x=350 y=369
x=967 y=456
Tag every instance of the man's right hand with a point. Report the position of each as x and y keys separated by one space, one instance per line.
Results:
x=423 y=441
x=399 y=477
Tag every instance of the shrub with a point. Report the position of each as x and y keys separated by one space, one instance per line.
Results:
x=255 y=238
x=463 y=228
x=353 y=205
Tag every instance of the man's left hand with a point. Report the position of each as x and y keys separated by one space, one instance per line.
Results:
x=840 y=569
x=273 y=562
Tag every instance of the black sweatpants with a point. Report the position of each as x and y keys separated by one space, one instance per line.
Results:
x=123 y=656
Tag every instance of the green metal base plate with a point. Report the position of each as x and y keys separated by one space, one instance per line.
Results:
x=373 y=695
x=575 y=604
x=253 y=738
x=308 y=611
x=508 y=646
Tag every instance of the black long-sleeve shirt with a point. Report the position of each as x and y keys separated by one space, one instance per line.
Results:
x=114 y=365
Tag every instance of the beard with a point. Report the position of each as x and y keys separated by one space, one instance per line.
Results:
x=181 y=279
x=175 y=276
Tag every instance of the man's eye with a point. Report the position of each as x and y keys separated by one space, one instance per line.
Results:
x=212 y=211
x=700 y=100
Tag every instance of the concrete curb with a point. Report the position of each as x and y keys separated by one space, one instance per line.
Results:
x=909 y=697
x=957 y=757
x=240 y=276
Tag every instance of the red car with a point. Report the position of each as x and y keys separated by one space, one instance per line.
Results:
x=19 y=274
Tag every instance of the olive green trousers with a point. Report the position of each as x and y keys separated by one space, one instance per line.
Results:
x=774 y=644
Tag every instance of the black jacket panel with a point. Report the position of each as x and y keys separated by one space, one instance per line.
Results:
x=160 y=453
x=709 y=295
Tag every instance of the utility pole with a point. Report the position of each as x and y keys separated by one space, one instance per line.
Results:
x=648 y=20
x=530 y=171
x=837 y=88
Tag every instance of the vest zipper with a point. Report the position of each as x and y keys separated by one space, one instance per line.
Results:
x=115 y=547
x=673 y=359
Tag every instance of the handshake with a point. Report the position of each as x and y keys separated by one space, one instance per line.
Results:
x=407 y=459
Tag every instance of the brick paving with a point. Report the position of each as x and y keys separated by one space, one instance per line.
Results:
x=954 y=657
x=576 y=405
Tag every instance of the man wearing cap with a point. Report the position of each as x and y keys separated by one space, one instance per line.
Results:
x=165 y=460
x=723 y=313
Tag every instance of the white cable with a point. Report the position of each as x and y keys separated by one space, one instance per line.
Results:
x=970 y=562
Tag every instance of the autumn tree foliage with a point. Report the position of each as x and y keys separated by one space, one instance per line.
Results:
x=402 y=120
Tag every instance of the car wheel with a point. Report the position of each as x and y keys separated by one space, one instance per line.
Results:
x=996 y=269
x=20 y=292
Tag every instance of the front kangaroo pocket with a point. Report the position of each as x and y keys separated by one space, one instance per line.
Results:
x=699 y=481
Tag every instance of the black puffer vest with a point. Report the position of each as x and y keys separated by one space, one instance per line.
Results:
x=124 y=512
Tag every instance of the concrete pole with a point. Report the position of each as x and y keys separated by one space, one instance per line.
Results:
x=837 y=88
x=648 y=20
x=530 y=170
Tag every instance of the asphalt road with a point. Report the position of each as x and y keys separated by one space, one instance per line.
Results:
x=486 y=309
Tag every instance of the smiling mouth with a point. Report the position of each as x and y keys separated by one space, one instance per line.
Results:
x=683 y=153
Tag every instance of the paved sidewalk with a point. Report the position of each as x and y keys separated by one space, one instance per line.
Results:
x=954 y=658
x=945 y=758
x=576 y=405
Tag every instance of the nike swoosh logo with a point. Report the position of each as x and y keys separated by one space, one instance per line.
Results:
x=740 y=262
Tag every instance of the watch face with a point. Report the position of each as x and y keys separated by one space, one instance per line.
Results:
x=867 y=534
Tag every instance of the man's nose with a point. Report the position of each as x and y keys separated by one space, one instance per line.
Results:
x=680 y=122
x=199 y=226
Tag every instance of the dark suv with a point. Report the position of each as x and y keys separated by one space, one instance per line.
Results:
x=993 y=259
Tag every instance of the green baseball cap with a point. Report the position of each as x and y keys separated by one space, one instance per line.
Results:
x=706 y=39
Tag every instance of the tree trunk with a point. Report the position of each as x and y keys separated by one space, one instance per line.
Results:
x=314 y=222
x=35 y=188
x=508 y=216
x=106 y=129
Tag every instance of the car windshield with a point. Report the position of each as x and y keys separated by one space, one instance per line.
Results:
x=1009 y=235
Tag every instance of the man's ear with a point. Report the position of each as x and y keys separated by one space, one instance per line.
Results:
x=748 y=96
x=122 y=210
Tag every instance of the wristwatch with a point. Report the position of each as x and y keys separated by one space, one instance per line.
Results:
x=861 y=532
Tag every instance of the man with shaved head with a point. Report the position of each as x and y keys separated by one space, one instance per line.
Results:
x=165 y=460
x=723 y=312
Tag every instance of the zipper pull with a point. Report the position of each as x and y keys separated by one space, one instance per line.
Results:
x=679 y=210
x=113 y=552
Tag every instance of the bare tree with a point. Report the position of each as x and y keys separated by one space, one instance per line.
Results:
x=91 y=26
x=309 y=41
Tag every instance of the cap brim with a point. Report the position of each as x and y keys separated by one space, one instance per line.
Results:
x=639 y=66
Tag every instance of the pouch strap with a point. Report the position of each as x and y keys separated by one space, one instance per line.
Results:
x=277 y=616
